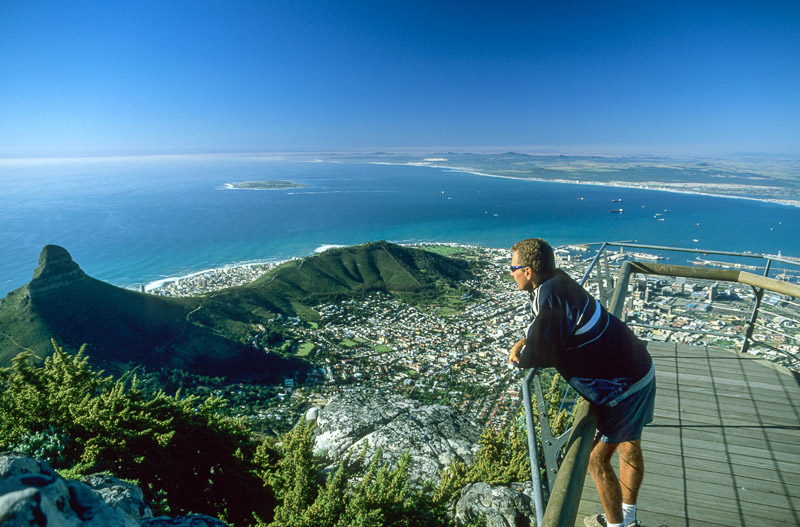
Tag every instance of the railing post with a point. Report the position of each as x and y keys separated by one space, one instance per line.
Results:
x=533 y=448
x=562 y=509
x=617 y=303
x=601 y=290
x=594 y=262
x=759 y=294
x=551 y=445
x=609 y=280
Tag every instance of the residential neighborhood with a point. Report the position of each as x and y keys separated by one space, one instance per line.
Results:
x=439 y=355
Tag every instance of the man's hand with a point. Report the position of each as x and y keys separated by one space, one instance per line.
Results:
x=513 y=356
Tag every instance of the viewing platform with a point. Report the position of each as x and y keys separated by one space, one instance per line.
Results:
x=724 y=446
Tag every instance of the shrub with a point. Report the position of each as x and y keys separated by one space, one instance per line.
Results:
x=182 y=451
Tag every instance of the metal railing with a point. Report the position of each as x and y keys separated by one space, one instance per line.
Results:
x=564 y=483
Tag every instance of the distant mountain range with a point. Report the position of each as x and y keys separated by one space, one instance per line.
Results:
x=209 y=334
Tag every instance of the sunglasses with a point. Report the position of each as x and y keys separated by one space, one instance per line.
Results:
x=516 y=267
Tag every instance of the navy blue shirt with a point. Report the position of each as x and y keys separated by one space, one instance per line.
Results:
x=595 y=352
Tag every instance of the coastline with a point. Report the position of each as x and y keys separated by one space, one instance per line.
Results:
x=646 y=185
x=226 y=276
x=216 y=278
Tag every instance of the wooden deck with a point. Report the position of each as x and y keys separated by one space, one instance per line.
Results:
x=724 y=447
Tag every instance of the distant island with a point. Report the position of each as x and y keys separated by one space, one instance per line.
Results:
x=262 y=185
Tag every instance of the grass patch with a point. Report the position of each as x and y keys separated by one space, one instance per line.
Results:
x=304 y=349
x=305 y=313
x=380 y=348
x=446 y=250
x=351 y=343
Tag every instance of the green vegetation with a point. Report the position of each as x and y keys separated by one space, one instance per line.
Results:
x=180 y=449
x=305 y=349
x=413 y=275
x=374 y=495
x=187 y=456
x=351 y=343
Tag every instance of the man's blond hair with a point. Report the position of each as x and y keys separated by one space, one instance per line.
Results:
x=536 y=254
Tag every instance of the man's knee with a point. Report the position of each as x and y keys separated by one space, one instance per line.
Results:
x=631 y=452
x=600 y=457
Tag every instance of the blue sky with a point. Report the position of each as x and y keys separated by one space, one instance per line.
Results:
x=129 y=78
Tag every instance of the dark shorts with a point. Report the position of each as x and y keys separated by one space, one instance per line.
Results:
x=625 y=421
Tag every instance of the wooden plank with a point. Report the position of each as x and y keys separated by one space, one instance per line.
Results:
x=774 y=440
x=713 y=472
x=763 y=480
x=692 y=379
x=695 y=382
x=695 y=454
x=710 y=405
x=724 y=415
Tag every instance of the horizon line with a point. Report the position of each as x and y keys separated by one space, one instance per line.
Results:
x=530 y=151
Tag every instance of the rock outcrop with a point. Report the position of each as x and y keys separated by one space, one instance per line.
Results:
x=498 y=506
x=32 y=493
x=120 y=494
x=56 y=269
x=433 y=435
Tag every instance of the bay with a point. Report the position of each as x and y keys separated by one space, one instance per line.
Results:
x=131 y=221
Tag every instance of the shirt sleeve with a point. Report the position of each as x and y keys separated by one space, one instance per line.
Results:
x=545 y=335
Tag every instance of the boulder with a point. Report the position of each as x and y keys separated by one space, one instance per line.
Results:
x=31 y=493
x=12 y=464
x=120 y=494
x=499 y=506
x=433 y=435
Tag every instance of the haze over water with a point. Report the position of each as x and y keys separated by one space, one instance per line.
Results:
x=133 y=221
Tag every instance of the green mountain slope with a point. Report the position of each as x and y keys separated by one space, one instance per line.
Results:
x=293 y=288
x=413 y=274
x=205 y=335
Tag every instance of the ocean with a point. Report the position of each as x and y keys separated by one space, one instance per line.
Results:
x=133 y=221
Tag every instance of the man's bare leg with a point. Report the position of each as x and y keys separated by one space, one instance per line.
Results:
x=631 y=470
x=606 y=481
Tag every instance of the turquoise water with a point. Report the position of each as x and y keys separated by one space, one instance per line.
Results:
x=134 y=221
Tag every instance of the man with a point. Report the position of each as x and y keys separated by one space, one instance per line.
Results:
x=602 y=359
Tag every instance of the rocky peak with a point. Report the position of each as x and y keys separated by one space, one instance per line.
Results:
x=56 y=269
